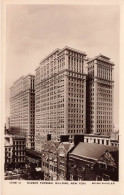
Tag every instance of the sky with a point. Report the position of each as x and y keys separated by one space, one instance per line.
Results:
x=33 y=31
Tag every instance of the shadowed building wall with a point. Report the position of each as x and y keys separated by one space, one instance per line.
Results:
x=22 y=108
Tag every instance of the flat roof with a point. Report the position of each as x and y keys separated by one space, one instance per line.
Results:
x=50 y=54
x=95 y=135
x=102 y=58
x=72 y=49
x=22 y=77
x=60 y=50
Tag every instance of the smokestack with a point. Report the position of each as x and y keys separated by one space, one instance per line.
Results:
x=64 y=138
x=48 y=137
x=78 y=138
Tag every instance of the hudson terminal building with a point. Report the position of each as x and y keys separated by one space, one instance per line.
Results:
x=60 y=95
x=100 y=95
x=22 y=109
x=73 y=95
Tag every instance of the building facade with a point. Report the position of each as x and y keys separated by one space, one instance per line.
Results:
x=60 y=95
x=63 y=99
x=79 y=161
x=19 y=147
x=88 y=161
x=33 y=157
x=63 y=152
x=15 y=146
x=8 y=153
x=100 y=95
x=54 y=157
x=49 y=160
x=101 y=139
x=22 y=108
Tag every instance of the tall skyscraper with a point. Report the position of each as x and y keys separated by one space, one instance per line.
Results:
x=100 y=95
x=22 y=108
x=62 y=99
x=60 y=95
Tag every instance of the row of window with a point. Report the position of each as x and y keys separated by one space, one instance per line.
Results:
x=98 y=141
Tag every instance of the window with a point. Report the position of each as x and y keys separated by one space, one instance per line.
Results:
x=107 y=142
x=102 y=141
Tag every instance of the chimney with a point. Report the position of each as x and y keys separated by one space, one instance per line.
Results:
x=64 y=138
x=78 y=138
x=48 y=137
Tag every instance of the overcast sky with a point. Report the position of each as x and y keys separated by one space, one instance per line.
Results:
x=33 y=31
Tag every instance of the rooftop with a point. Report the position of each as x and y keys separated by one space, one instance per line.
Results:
x=101 y=58
x=68 y=146
x=22 y=78
x=51 y=53
x=91 y=150
x=72 y=49
x=96 y=135
x=59 y=51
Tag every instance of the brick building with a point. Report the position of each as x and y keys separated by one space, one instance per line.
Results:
x=63 y=151
x=90 y=161
x=49 y=160
x=54 y=157
x=19 y=147
x=14 y=146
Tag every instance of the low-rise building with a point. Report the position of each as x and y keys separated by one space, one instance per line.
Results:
x=114 y=143
x=107 y=166
x=63 y=151
x=55 y=157
x=101 y=139
x=14 y=150
x=79 y=161
x=19 y=146
x=8 y=153
x=33 y=157
x=49 y=159
x=90 y=161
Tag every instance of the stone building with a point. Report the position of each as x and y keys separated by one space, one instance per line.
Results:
x=19 y=147
x=100 y=95
x=15 y=146
x=64 y=99
x=101 y=139
x=22 y=109
x=60 y=95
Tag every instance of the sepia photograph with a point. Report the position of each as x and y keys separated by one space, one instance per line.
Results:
x=61 y=121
